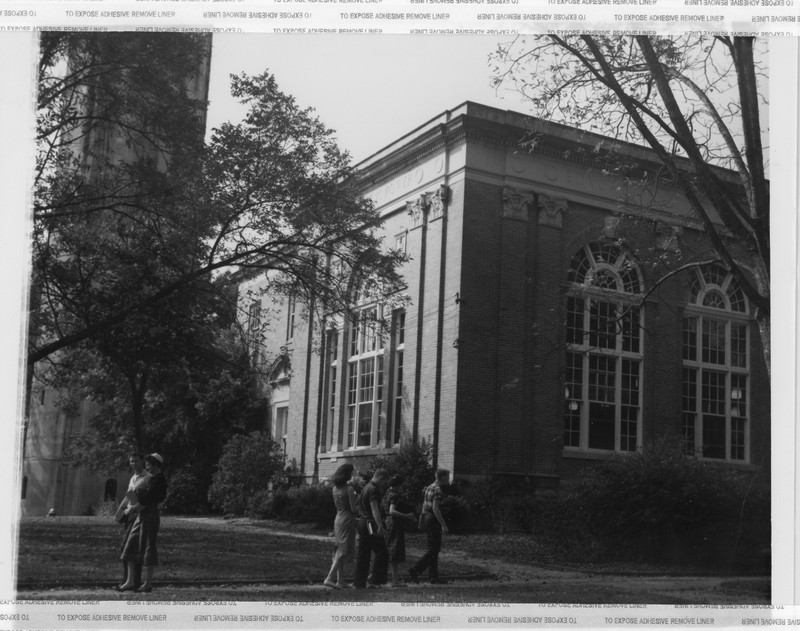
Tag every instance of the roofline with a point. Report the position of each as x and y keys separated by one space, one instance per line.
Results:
x=510 y=118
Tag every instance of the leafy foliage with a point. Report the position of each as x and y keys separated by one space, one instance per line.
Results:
x=186 y=495
x=306 y=503
x=249 y=463
x=118 y=233
x=647 y=502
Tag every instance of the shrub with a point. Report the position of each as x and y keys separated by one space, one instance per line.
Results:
x=661 y=504
x=185 y=494
x=312 y=503
x=103 y=509
x=489 y=503
x=247 y=466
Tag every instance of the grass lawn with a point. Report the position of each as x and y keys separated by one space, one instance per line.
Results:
x=69 y=550
x=77 y=558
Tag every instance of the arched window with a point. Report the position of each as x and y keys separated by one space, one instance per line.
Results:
x=716 y=367
x=604 y=351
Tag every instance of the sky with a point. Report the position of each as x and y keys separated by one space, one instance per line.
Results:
x=370 y=89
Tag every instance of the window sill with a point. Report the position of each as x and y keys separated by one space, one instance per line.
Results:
x=584 y=454
x=576 y=453
x=358 y=452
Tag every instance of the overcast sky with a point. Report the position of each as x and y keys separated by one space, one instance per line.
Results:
x=369 y=89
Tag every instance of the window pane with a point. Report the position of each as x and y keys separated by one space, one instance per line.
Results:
x=601 y=426
x=398 y=397
x=715 y=275
x=352 y=399
x=354 y=336
x=364 y=424
x=738 y=345
x=579 y=267
x=690 y=339
x=630 y=383
x=630 y=278
x=331 y=409
x=736 y=296
x=602 y=325
x=572 y=423
x=604 y=279
x=601 y=378
x=713 y=342
x=628 y=428
x=366 y=381
x=713 y=436
x=713 y=392
x=689 y=406
x=630 y=330
x=737 y=438
x=574 y=320
x=715 y=300
x=573 y=393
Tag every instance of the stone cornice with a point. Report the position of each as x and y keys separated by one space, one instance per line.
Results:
x=501 y=128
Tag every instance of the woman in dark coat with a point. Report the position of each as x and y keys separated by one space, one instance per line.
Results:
x=141 y=544
x=399 y=513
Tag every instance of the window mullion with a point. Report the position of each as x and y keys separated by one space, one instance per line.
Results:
x=618 y=401
x=584 y=438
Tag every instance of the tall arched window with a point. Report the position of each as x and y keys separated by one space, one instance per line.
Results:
x=716 y=367
x=604 y=351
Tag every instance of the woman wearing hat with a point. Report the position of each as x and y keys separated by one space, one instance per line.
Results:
x=141 y=544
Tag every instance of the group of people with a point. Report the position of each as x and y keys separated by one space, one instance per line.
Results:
x=138 y=514
x=378 y=517
x=369 y=527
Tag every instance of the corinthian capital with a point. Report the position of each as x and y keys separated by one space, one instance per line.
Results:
x=551 y=210
x=516 y=205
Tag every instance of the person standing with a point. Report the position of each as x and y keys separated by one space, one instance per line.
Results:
x=344 y=526
x=371 y=533
x=398 y=514
x=127 y=513
x=434 y=526
x=141 y=545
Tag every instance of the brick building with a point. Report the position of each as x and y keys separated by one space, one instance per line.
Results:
x=534 y=338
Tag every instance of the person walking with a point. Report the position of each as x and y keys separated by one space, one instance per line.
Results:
x=432 y=522
x=127 y=512
x=344 y=526
x=371 y=534
x=141 y=545
x=398 y=514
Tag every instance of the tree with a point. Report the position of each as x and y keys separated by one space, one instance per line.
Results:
x=113 y=111
x=153 y=382
x=272 y=192
x=695 y=100
x=247 y=466
x=137 y=222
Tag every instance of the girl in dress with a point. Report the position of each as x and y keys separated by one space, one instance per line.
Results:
x=344 y=526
